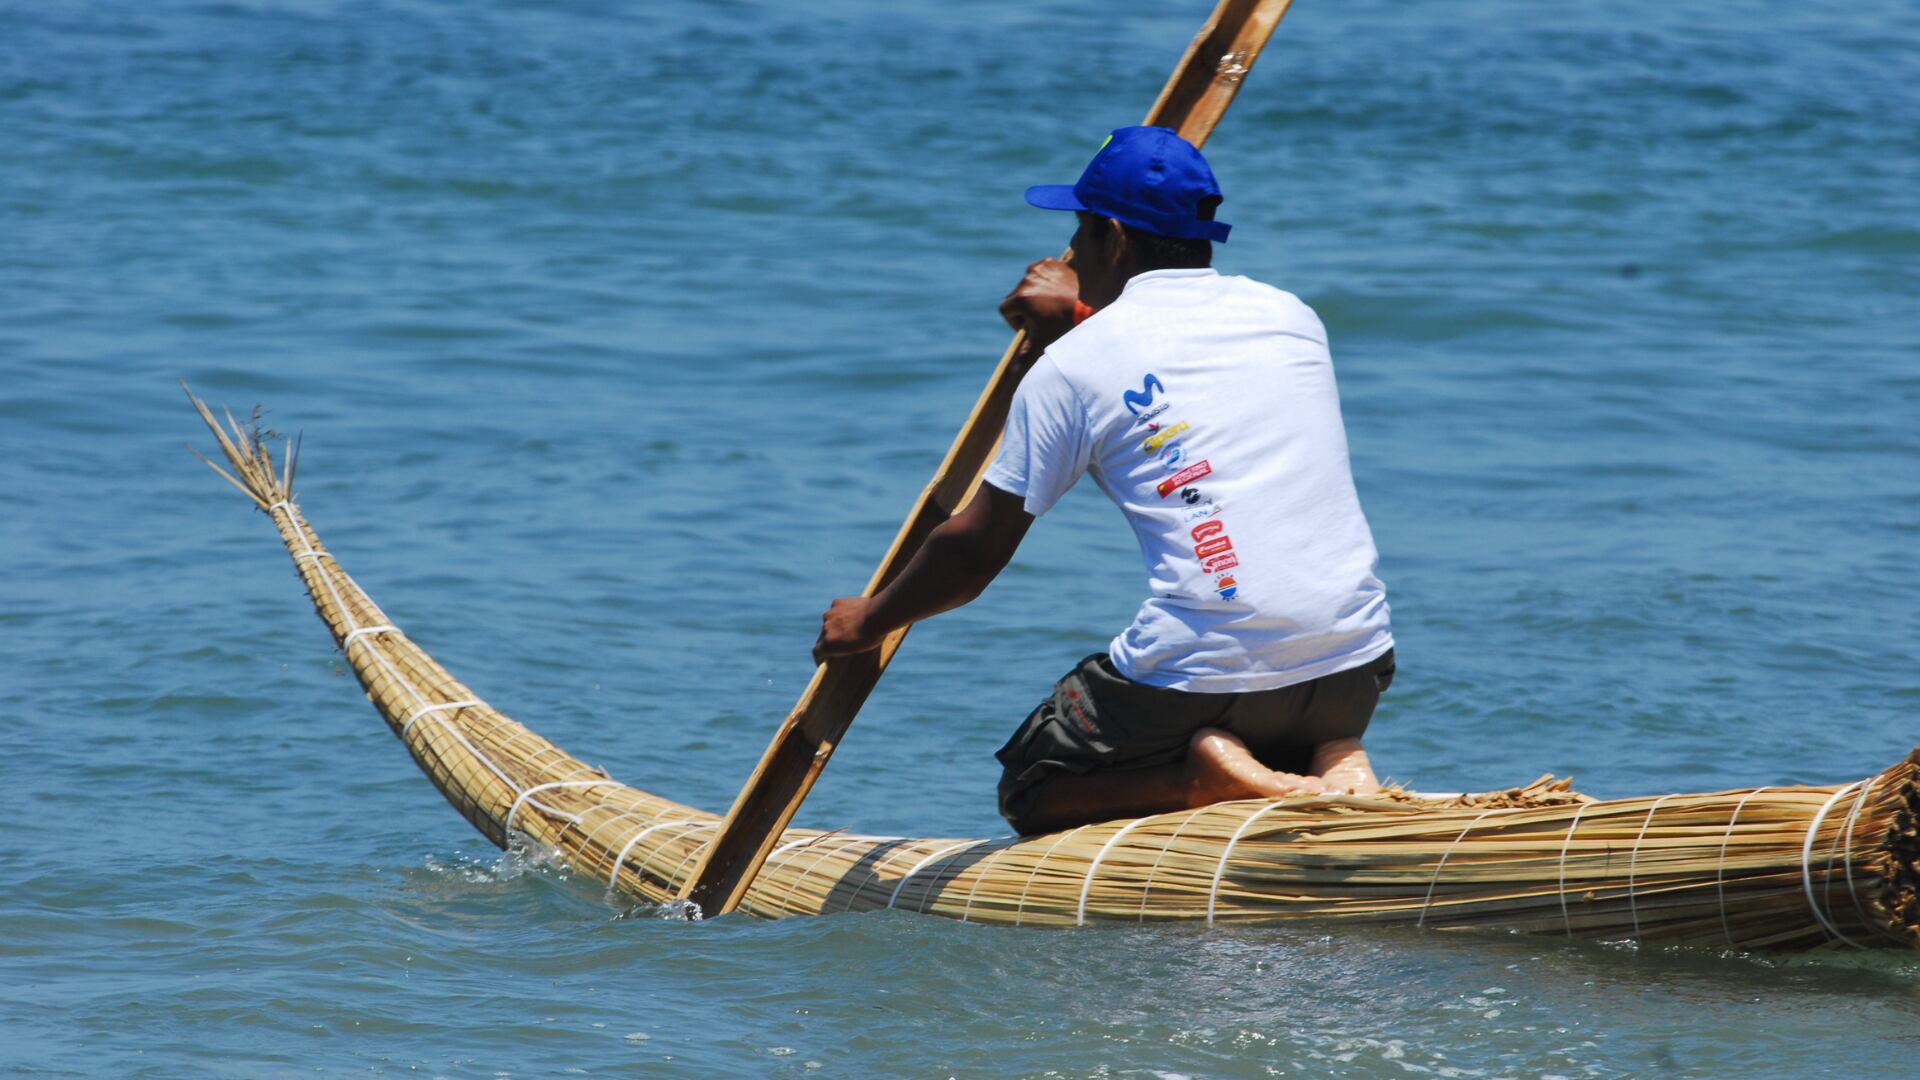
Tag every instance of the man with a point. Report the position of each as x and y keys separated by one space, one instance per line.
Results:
x=1205 y=407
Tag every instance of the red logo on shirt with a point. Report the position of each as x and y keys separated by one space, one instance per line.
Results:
x=1208 y=528
x=1184 y=477
x=1220 y=563
x=1214 y=546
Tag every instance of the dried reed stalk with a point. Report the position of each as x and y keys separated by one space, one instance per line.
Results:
x=1766 y=868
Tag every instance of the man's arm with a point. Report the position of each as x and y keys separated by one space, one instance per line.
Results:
x=965 y=552
x=960 y=557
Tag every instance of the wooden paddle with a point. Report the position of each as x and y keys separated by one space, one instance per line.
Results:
x=1192 y=102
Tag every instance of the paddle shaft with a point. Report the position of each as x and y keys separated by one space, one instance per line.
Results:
x=1192 y=102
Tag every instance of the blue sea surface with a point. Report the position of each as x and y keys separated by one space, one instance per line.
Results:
x=622 y=336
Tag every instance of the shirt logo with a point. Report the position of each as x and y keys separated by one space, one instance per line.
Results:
x=1203 y=507
x=1163 y=437
x=1139 y=399
x=1184 y=477
x=1206 y=530
x=1215 y=546
x=1220 y=563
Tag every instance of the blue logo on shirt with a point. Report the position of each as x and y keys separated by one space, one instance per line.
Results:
x=1143 y=397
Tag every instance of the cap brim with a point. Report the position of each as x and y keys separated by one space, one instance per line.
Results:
x=1054 y=197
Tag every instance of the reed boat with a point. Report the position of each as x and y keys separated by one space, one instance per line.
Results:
x=1766 y=868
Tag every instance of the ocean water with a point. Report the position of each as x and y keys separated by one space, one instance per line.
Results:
x=623 y=335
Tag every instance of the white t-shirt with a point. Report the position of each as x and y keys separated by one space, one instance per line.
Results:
x=1205 y=407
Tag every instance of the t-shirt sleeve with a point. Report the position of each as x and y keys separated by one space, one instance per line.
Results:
x=1046 y=443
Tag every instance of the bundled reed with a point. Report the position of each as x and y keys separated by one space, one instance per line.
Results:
x=1766 y=868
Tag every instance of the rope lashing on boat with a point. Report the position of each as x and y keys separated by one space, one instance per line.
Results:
x=1720 y=873
x=537 y=788
x=781 y=851
x=953 y=849
x=980 y=875
x=347 y=642
x=1858 y=805
x=613 y=878
x=1633 y=861
x=1564 y=915
x=1086 y=887
x=353 y=631
x=1806 y=865
x=1146 y=889
x=293 y=520
x=793 y=887
x=927 y=896
x=427 y=710
x=317 y=554
x=1442 y=865
x=462 y=739
x=1213 y=892
x=694 y=854
x=1020 y=911
x=587 y=838
x=873 y=872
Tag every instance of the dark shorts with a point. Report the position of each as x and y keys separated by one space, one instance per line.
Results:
x=1097 y=718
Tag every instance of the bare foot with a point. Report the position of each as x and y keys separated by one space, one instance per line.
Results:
x=1345 y=768
x=1220 y=767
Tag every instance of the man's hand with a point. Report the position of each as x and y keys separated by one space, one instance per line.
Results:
x=1042 y=304
x=843 y=629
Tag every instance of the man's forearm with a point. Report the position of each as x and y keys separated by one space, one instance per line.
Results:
x=950 y=569
x=954 y=564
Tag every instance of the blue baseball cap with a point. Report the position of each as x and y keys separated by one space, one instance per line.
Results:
x=1146 y=177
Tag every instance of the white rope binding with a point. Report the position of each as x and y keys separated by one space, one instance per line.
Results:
x=614 y=877
x=1564 y=915
x=1020 y=912
x=588 y=835
x=793 y=887
x=873 y=871
x=537 y=788
x=312 y=552
x=1213 y=893
x=926 y=862
x=789 y=846
x=347 y=642
x=1633 y=860
x=1858 y=805
x=1720 y=874
x=1442 y=865
x=354 y=630
x=967 y=908
x=1146 y=888
x=1086 y=887
x=687 y=863
x=1806 y=865
x=426 y=710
